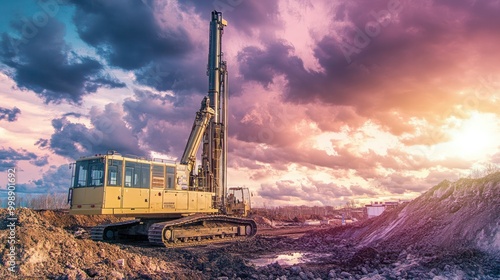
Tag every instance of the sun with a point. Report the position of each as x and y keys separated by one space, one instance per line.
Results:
x=476 y=137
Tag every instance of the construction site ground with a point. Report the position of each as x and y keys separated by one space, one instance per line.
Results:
x=450 y=232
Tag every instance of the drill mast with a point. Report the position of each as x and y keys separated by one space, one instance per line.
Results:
x=211 y=123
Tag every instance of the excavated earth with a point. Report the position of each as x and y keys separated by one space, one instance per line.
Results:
x=450 y=232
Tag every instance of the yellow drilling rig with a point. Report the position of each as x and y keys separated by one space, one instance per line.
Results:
x=174 y=204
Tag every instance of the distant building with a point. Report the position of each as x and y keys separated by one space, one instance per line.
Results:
x=391 y=204
x=377 y=208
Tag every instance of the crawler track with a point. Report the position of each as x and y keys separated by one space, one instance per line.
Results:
x=107 y=232
x=183 y=232
x=201 y=230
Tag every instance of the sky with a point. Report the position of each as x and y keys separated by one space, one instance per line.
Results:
x=331 y=101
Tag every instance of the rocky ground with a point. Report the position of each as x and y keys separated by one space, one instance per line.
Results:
x=450 y=232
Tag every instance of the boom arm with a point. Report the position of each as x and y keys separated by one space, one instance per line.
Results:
x=200 y=124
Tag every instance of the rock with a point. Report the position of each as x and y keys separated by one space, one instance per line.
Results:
x=120 y=263
x=332 y=274
x=74 y=274
x=81 y=275
x=345 y=274
x=101 y=253
x=80 y=233
x=296 y=269
x=364 y=270
x=91 y=272
x=115 y=275
x=373 y=277
x=403 y=254
x=135 y=262
x=302 y=276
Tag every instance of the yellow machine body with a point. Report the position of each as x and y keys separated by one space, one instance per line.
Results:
x=125 y=186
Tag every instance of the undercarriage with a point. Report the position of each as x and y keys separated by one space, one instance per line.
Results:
x=181 y=232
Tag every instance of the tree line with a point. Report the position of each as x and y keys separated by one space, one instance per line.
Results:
x=39 y=201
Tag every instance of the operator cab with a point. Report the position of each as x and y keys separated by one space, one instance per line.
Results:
x=115 y=184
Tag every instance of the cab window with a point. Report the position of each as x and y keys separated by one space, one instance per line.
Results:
x=89 y=173
x=114 y=172
x=137 y=175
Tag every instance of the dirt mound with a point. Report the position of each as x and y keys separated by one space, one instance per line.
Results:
x=458 y=215
x=461 y=215
x=47 y=247
x=263 y=222
x=48 y=251
x=60 y=218
x=452 y=230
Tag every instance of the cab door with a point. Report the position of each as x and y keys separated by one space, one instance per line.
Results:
x=114 y=184
x=137 y=185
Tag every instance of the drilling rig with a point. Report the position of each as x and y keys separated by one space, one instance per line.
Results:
x=173 y=204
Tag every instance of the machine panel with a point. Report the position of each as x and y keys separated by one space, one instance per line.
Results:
x=135 y=198
x=181 y=200
x=112 y=197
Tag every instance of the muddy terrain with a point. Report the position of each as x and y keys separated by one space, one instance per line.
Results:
x=450 y=232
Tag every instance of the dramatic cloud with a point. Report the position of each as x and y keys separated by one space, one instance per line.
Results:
x=249 y=17
x=329 y=100
x=183 y=75
x=40 y=161
x=9 y=158
x=379 y=76
x=42 y=143
x=44 y=63
x=108 y=132
x=127 y=34
x=162 y=123
x=399 y=184
x=9 y=115
x=133 y=36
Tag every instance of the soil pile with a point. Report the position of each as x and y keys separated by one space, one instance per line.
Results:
x=452 y=230
x=55 y=245
x=61 y=218
x=263 y=222
x=458 y=215
x=452 y=216
x=44 y=249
